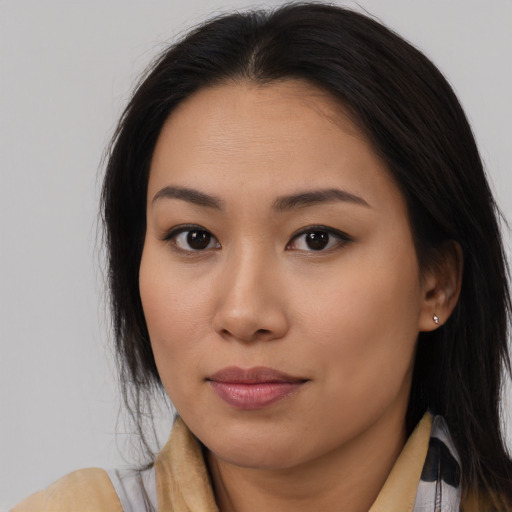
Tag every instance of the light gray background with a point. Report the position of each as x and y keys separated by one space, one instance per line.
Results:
x=66 y=71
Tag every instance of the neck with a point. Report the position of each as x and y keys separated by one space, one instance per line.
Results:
x=351 y=475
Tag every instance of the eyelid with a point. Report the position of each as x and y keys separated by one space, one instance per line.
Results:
x=343 y=237
x=172 y=233
x=176 y=230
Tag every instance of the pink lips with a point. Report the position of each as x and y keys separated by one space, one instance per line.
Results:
x=253 y=388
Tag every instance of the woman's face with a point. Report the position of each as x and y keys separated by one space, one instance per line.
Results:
x=279 y=278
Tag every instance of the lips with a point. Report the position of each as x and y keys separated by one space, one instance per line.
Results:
x=253 y=388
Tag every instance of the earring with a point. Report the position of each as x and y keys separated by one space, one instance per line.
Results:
x=436 y=319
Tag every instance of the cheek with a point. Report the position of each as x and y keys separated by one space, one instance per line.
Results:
x=364 y=326
x=177 y=315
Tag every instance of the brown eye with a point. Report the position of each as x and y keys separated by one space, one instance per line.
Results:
x=192 y=239
x=198 y=240
x=317 y=240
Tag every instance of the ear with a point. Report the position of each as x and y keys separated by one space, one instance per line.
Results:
x=441 y=286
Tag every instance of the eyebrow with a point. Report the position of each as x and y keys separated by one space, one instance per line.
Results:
x=190 y=195
x=281 y=204
x=310 y=198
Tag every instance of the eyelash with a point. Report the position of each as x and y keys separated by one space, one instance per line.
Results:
x=342 y=238
x=172 y=235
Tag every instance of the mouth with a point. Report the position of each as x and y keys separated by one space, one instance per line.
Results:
x=253 y=388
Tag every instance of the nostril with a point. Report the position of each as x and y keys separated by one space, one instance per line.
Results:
x=262 y=334
x=259 y=334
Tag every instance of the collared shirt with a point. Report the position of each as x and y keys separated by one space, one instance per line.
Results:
x=179 y=480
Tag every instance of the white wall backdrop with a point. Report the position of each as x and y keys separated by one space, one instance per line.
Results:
x=66 y=71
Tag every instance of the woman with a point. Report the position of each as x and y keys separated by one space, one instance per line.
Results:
x=304 y=253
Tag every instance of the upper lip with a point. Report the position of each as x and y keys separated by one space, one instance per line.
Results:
x=255 y=375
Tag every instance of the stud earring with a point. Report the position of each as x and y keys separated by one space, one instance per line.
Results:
x=436 y=319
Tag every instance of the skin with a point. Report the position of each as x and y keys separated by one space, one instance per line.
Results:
x=345 y=319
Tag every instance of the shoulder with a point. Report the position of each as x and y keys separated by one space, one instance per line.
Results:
x=86 y=490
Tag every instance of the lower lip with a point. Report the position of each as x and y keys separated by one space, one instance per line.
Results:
x=249 y=397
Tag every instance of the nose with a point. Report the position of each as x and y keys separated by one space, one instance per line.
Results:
x=251 y=302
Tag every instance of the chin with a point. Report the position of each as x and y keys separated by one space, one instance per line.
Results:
x=256 y=450
x=251 y=457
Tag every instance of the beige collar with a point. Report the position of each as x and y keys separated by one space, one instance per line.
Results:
x=399 y=491
x=183 y=483
x=182 y=480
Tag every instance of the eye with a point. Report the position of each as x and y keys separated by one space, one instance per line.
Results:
x=192 y=238
x=317 y=239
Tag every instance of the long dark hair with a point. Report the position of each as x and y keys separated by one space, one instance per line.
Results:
x=410 y=114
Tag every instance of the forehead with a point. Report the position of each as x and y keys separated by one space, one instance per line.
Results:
x=241 y=113
x=266 y=139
